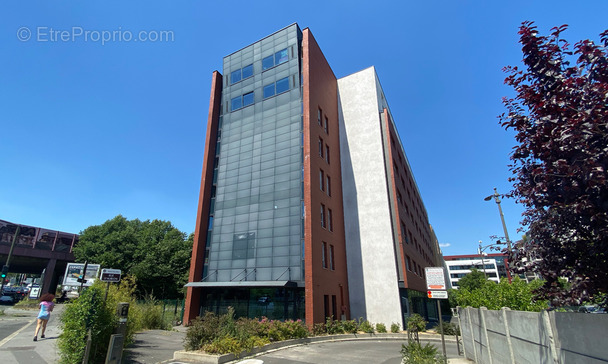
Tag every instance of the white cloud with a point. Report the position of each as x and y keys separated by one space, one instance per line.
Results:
x=444 y=245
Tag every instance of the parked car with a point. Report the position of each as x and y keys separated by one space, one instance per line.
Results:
x=7 y=299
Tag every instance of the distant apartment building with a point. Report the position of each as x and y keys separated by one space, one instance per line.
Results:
x=308 y=208
x=494 y=266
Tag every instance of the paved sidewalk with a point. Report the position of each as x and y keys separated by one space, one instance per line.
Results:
x=153 y=346
x=21 y=349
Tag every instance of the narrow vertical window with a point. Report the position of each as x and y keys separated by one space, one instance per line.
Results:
x=328 y=186
x=327 y=153
x=331 y=258
x=324 y=254
x=319 y=114
x=326 y=125
x=330 y=220
x=321 y=147
x=321 y=180
x=322 y=215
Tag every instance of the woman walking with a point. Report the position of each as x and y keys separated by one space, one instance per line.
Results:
x=46 y=307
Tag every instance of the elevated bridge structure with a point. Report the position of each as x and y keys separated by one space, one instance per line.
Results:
x=37 y=250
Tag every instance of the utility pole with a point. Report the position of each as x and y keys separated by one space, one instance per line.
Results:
x=10 y=253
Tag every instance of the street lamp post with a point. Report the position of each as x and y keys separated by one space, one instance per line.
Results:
x=483 y=264
x=504 y=228
x=502 y=217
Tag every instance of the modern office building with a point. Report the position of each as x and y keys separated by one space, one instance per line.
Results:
x=493 y=265
x=308 y=208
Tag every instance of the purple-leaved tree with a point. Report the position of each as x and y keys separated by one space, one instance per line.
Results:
x=560 y=115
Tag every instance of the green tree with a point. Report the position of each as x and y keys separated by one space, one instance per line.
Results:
x=473 y=280
x=155 y=252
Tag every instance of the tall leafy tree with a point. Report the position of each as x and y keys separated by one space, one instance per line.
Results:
x=560 y=115
x=155 y=252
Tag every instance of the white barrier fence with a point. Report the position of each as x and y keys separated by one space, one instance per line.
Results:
x=517 y=337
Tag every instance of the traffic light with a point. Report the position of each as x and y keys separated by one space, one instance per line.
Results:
x=429 y=294
x=4 y=271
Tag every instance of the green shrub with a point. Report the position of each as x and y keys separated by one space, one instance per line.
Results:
x=222 y=334
x=318 y=329
x=88 y=312
x=448 y=329
x=414 y=353
x=395 y=328
x=381 y=327
x=350 y=326
x=416 y=323
x=149 y=314
x=202 y=330
x=365 y=326
x=296 y=329
x=333 y=327
x=223 y=345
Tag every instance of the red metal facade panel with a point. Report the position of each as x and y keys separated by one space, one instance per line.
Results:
x=202 y=215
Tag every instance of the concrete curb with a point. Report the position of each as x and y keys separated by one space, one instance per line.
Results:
x=201 y=357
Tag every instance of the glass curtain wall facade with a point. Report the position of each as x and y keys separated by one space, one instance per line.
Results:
x=255 y=228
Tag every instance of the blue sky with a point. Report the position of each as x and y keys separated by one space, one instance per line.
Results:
x=91 y=129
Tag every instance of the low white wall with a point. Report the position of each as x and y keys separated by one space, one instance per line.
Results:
x=515 y=337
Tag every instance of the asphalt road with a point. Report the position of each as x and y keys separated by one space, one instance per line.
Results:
x=342 y=352
x=10 y=324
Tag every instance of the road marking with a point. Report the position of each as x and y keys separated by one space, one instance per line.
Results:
x=8 y=338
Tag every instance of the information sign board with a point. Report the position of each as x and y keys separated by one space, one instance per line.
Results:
x=75 y=270
x=442 y=295
x=110 y=275
x=435 y=278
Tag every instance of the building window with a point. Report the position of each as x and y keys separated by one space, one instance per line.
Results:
x=328 y=186
x=322 y=215
x=331 y=258
x=320 y=147
x=324 y=254
x=247 y=71
x=330 y=220
x=321 y=180
x=407 y=263
x=243 y=246
x=241 y=101
x=248 y=99
x=319 y=114
x=334 y=307
x=276 y=88
x=282 y=85
x=235 y=76
x=327 y=153
x=236 y=103
x=281 y=56
x=326 y=125
x=241 y=74
x=269 y=90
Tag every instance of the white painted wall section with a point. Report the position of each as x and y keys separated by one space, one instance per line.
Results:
x=372 y=271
